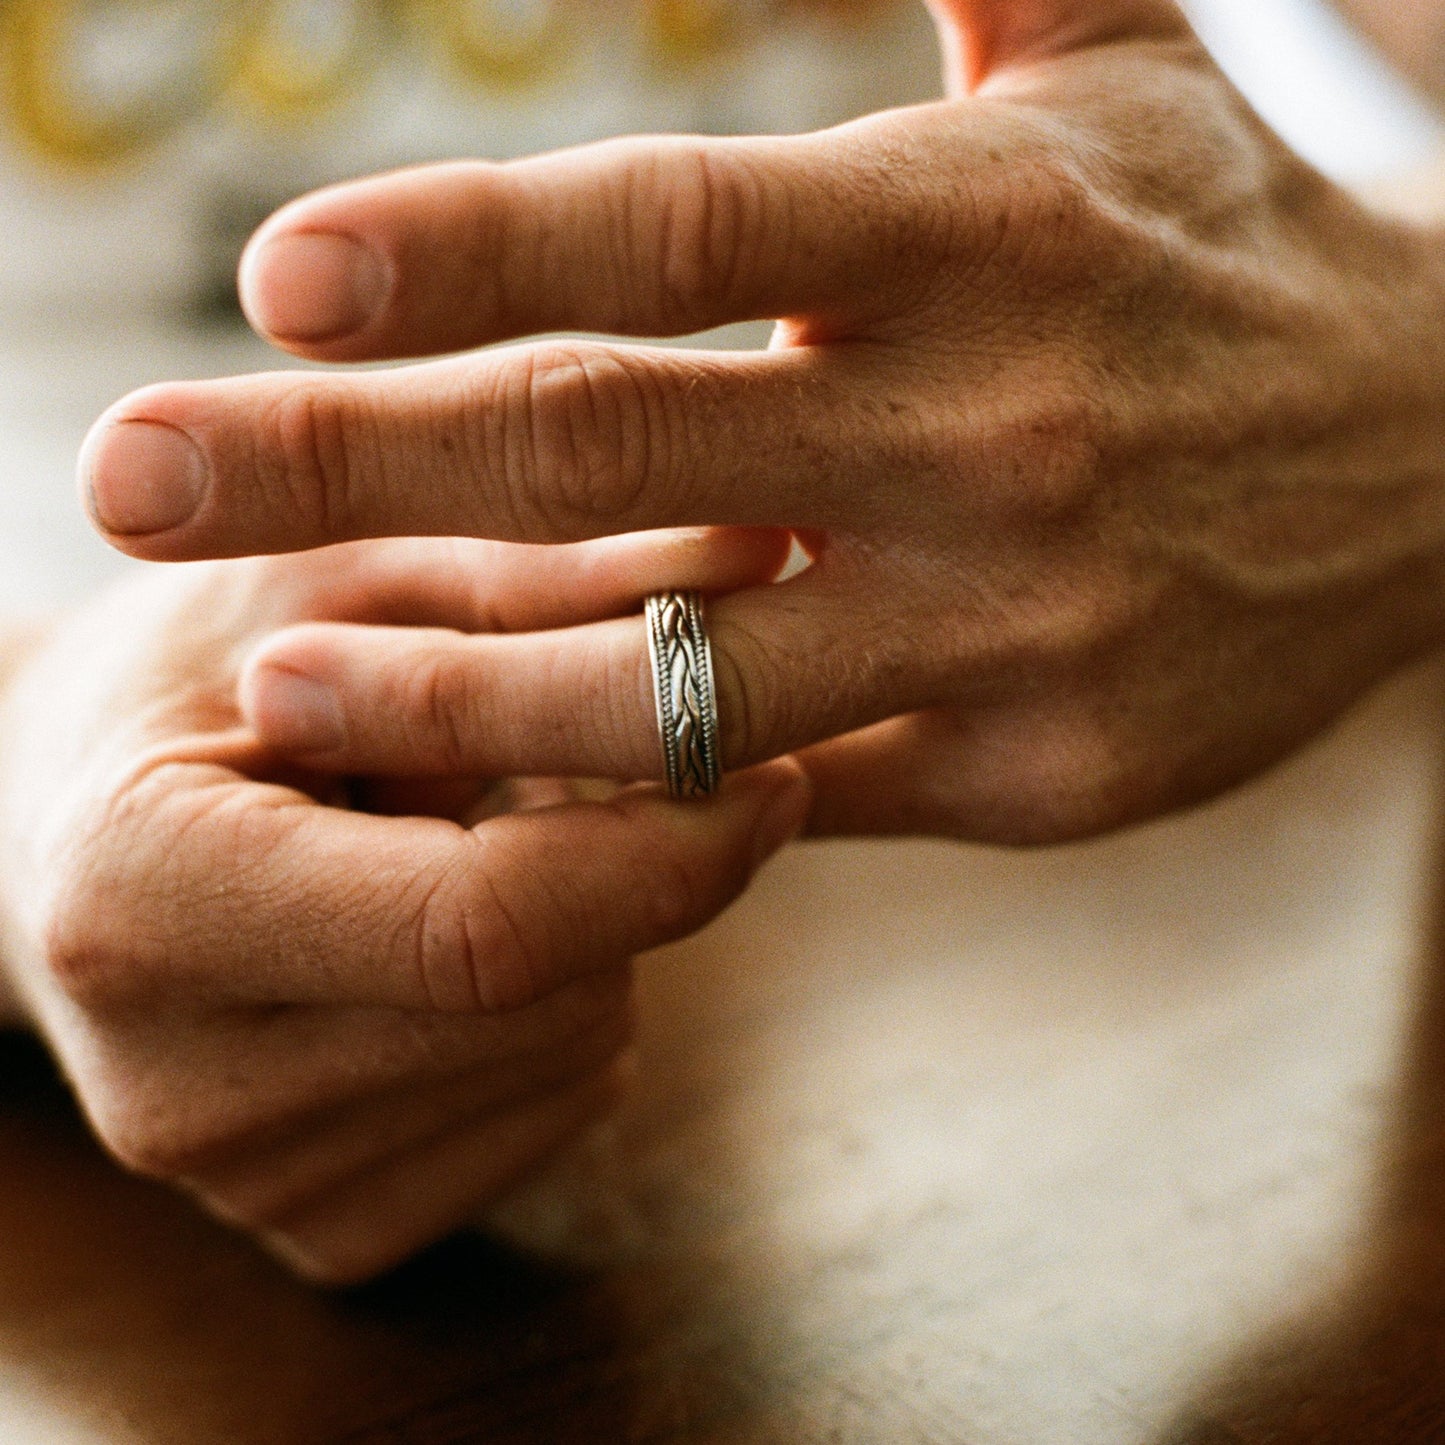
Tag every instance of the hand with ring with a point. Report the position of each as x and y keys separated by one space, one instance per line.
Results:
x=1115 y=432
x=344 y=1014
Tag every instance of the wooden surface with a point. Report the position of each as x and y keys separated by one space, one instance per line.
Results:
x=1137 y=1143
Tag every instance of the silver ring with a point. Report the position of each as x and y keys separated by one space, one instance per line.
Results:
x=682 y=687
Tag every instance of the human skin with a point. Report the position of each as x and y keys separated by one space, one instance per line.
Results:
x=343 y=1018
x=1116 y=431
x=1410 y=32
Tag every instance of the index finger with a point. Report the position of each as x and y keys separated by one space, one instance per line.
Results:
x=223 y=891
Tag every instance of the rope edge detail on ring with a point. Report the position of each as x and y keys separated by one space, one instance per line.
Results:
x=683 y=689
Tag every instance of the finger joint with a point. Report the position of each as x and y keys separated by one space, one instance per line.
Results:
x=588 y=436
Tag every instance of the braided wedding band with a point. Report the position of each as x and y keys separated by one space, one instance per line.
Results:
x=682 y=687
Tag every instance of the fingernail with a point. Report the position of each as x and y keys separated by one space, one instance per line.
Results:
x=783 y=816
x=316 y=286
x=295 y=712
x=143 y=477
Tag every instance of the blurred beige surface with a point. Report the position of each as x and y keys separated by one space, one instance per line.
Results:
x=1135 y=1143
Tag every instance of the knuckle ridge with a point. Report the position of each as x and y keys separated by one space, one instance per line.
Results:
x=586 y=429
x=709 y=224
x=473 y=953
x=436 y=712
x=317 y=471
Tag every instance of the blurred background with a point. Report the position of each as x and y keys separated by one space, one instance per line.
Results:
x=142 y=140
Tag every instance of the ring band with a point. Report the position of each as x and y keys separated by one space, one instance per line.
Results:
x=682 y=687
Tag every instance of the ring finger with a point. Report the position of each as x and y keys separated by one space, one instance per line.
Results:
x=573 y=702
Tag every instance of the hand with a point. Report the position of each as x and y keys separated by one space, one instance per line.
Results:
x=341 y=1030
x=1117 y=434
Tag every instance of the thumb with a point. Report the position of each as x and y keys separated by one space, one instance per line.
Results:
x=982 y=37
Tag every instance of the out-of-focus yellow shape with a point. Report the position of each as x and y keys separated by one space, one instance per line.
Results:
x=304 y=56
x=74 y=71
x=91 y=83
x=501 y=44
x=693 y=31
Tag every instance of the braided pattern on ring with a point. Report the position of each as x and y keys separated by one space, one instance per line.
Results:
x=683 y=690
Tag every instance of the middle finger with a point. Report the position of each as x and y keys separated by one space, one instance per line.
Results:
x=550 y=442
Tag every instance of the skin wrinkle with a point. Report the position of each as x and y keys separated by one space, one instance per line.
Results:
x=618 y=238
x=687 y=259
x=429 y=702
x=1118 y=440
x=448 y=956
x=624 y=691
x=620 y=404
x=563 y=420
x=430 y=1187
x=270 y=1183
x=170 y=1129
x=314 y=451
x=489 y=240
x=215 y=883
x=512 y=952
x=163 y=1127
x=92 y=954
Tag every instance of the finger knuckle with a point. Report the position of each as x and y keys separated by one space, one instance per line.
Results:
x=474 y=950
x=144 y=1124
x=255 y=1197
x=709 y=216
x=1057 y=775
x=590 y=438
x=1035 y=208
x=91 y=963
x=678 y=896
x=92 y=915
x=141 y=1148
x=1064 y=441
x=315 y=465
x=927 y=229
x=1037 y=454
x=327 y=1262
x=1059 y=636
x=435 y=709
x=1064 y=212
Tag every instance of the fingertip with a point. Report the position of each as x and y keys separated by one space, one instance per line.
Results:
x=746 y=555
x=295 y=713
x=285 y=698
x=307 y=288
x=786 y=806
x=140 y=475
x=768 y=805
